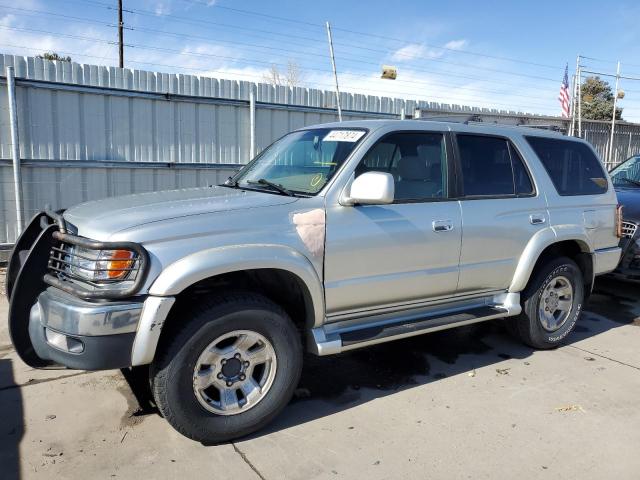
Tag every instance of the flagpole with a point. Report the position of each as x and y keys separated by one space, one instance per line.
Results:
x=579 y=100
x=613 y=117
x=574 y=96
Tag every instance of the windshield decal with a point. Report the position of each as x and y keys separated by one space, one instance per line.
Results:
x=343 y=136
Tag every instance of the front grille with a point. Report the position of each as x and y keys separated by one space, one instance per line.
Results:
x=629 y=229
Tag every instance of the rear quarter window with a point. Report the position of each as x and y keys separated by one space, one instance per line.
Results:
x=573 y=167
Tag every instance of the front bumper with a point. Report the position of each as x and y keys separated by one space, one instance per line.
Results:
x=605 y=260
x=83 y=335
x=50 y=325
x=629 y=266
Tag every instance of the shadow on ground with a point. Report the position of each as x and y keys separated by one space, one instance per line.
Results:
x=11 y=423
x=332 y=384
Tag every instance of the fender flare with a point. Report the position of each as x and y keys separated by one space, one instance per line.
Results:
x=538 y=243
x=216 y=261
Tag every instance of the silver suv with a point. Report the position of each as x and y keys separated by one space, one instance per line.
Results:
x=335 y=237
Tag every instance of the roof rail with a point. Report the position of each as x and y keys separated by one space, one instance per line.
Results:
x=451 y=118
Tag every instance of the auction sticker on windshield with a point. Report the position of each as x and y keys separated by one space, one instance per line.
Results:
x=343 y=136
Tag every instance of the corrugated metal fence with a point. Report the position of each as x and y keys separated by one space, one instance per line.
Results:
x=88 y=132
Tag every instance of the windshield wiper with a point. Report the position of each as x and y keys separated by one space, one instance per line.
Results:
x=633 y=182
x=275 y=186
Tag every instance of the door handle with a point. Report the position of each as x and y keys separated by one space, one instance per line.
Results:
x=442 y=225
x=537 y=219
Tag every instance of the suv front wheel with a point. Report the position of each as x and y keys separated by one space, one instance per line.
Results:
x=230 y=369
x=552 y=304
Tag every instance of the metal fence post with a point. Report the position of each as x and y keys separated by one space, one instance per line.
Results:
x=252 y=122
x=15 y=146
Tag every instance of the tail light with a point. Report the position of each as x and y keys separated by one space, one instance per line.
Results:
x=619 y=221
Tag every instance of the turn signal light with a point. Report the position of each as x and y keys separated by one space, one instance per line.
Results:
x=119 y=263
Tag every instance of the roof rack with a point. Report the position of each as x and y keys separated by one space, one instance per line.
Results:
x=476 y=119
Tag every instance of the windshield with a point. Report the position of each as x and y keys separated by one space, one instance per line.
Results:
x=299 y=163
x=627 y=174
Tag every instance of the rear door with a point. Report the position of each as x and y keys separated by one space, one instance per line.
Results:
x=501 y=210
x=582 y=193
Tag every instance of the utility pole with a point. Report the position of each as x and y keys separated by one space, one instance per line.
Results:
x=120 y=35
x=335 y=73
x=613 y=116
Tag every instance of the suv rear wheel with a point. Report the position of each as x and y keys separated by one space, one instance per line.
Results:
x=230 y=370
x=552 y=303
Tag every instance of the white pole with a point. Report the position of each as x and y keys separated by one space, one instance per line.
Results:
x=15 y=146
x=574 y=96
x=579 y=98
x=613 y=116
x=335 y=73
x=252 y=122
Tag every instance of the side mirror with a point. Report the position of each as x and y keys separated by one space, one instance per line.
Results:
x=371 y=188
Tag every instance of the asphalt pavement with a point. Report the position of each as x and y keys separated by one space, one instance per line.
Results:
x=464 y=403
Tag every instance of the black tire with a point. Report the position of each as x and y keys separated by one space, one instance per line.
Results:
x=528 y=326
x=172 y=371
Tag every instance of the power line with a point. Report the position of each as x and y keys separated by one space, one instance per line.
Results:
x=248 y=61
x=224 y=72
x=447 y=74
x=444 y=48
x=298 y=21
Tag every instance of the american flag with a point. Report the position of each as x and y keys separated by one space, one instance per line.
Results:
x=564 y=93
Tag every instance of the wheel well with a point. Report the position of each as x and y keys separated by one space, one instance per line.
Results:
x=280 y=286
x=576 y=251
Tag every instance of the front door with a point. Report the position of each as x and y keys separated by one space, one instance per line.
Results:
x=401 y=253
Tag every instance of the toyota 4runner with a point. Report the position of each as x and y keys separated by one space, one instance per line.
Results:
x=335 y=237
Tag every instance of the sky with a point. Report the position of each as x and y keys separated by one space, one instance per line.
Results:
x=508 y=55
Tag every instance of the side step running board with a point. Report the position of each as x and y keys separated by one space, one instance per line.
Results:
x=342 y=336
x=369 y=334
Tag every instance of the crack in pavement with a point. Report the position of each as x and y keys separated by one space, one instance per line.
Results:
x=42 y=380
x=247 y=461
x=604 y=356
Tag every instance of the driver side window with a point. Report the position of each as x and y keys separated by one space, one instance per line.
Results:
x=417 y=162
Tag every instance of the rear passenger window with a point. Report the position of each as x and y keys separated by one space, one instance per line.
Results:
x=572 y=166
x=417 y=162
x=486 y=166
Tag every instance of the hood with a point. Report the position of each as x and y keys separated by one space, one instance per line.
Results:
x=101 y=218
x=629 y=198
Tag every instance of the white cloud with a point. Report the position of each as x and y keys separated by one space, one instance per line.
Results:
x=162 y=8
x=408 y=52
x=414 y=51
x=456 y=44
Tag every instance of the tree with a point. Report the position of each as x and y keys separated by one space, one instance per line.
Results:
x=292 y=78
x=597 y=100
x=54 y=56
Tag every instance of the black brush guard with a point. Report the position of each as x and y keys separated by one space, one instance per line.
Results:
x=28 y=275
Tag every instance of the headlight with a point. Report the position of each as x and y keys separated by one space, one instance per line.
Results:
x=101 y=265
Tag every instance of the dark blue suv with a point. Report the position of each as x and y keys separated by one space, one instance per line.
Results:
x=626 y=180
